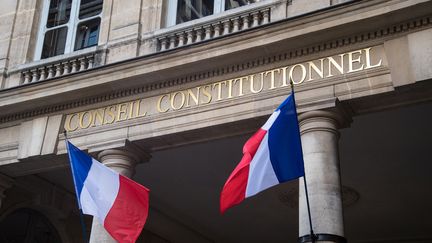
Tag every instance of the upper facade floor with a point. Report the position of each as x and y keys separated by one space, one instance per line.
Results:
x=43 y=39
x=65 y=55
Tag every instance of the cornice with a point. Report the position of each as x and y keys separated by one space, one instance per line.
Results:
x=377 y=36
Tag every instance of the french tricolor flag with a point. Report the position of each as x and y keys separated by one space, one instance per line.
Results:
x=271 y=156
x=119 y=203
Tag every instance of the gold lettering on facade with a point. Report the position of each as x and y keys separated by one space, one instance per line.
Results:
x=240 y=84
x=368 y=59
x=159 y=103
x=138 y=110
x=131 y=109
x=207 y=93
x=85 y=121
x=110 y=114
x=230 y=87
x=352 y=61
x=173 y=100
x=252 y=83
x=319 y=71
x=122 y=112
x=303 y=74
x=195 y=97
x=284 y=76
x=68 y=123
x=272 y=77
x=278 y=78
x=332 y=62
x=219 y=89
x=98 y=116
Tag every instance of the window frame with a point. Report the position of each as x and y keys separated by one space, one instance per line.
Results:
x=72 y=26
x=218 y=7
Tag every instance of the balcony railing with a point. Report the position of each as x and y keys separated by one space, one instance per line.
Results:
x=44 y=70
x=212 y=29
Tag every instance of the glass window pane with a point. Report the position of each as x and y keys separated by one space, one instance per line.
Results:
x=229 y=4
x=87 y=34
x=59 y=12
x=90 y=8
x=193 y=9
x=54 y=42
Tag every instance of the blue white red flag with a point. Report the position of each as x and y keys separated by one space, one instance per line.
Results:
x=271 y=156
x=119 y=203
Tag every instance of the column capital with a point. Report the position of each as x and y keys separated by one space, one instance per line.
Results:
x=331 y=119
x=125 y=159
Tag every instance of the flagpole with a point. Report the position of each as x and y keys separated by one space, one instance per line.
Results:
x=83 y=225
x=313 y=237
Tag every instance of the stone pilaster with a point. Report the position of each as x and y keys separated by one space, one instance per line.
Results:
x=123 y=161
x=319 y=135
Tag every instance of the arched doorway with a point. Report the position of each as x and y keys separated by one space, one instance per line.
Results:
x=27 y=226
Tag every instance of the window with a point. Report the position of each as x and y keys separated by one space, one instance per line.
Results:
x=67 y=26
x=180 y=11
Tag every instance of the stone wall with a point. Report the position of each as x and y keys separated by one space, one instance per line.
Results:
x=128 y=30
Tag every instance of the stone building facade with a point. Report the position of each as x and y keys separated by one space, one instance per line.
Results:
x=167 y=91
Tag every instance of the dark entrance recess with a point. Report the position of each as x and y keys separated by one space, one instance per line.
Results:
x=27 y=226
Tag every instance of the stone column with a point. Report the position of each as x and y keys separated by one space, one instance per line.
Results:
x=319 y=135
x=124 y=162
